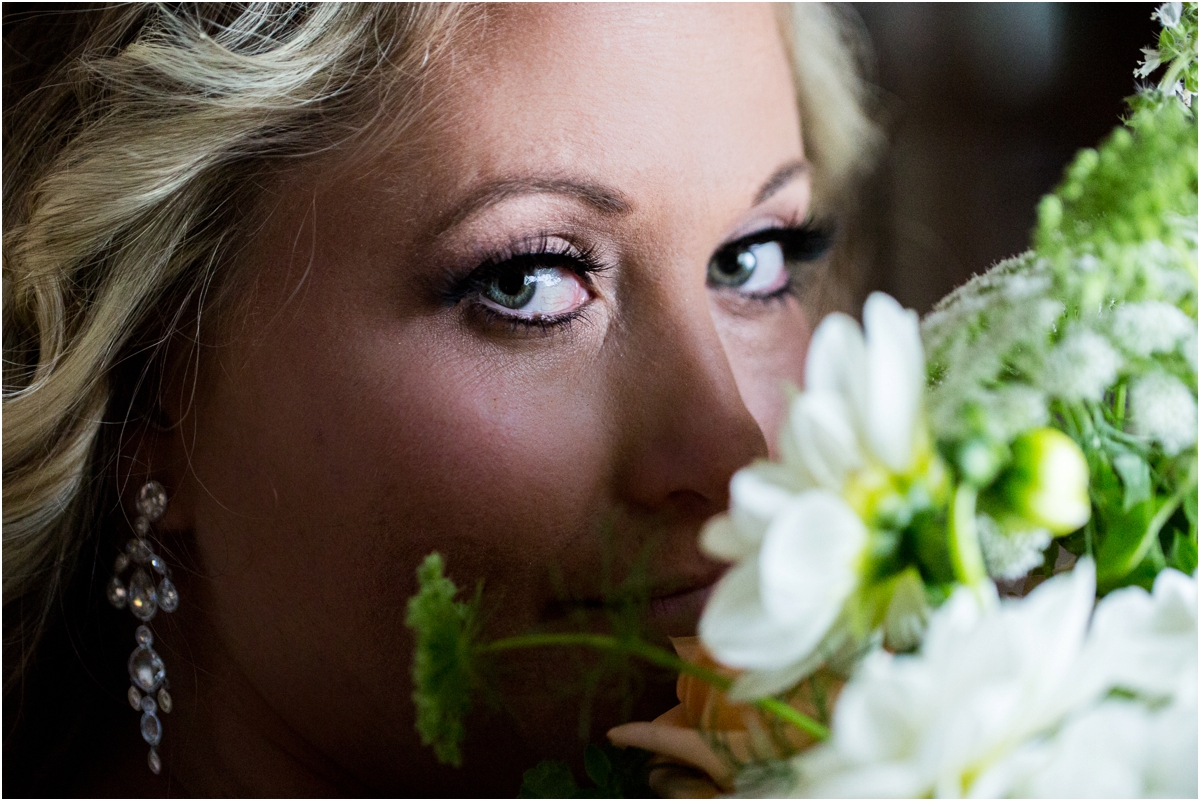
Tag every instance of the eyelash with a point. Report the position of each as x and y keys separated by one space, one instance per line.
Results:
x=802 y=242
x=524 y=255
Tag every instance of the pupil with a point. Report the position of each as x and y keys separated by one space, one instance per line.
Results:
x=511 y=283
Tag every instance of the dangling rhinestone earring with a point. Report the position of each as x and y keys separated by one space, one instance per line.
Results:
x=147 y=673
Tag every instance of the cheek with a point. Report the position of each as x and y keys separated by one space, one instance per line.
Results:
x=388 y=447
x=492 y=453
x=767 y=356
x=327 y=464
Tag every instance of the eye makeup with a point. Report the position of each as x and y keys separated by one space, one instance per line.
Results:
x=536 y=282
x=769 y=264
x=540 y=282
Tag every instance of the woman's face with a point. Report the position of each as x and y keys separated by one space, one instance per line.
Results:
x=536 y=334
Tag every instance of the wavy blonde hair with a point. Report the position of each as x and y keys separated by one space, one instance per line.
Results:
x=130 y=173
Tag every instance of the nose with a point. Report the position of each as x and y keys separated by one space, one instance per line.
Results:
x=683 y=425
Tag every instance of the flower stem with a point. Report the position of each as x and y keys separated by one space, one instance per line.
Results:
x=662 y=658
x=964 y=544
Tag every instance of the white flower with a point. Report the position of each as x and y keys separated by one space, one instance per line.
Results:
x=1010 y=554
x=1181 y=91
x=1115 y=749
x=1188 y=348
x=1146 y=643
x=1081 y=367
x=1143 y=746
x=1013 y=700
x=797 y=529
x=1151 y=327
x=772 y=610
x=1162 y=408
x=1151 y=60
x=982 y=684
x=1016 y=408
x=1168 y=14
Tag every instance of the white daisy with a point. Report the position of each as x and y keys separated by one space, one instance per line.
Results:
x=800 y=530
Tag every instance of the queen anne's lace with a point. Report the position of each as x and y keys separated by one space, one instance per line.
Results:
x=1163 y=409
x=1010 y=554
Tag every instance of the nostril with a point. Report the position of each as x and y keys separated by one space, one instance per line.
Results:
x=690 y=505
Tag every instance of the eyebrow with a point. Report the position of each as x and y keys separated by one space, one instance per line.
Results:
x=780 y=178
x=601 y=198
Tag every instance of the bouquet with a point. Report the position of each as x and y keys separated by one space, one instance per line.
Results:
x=972 y=570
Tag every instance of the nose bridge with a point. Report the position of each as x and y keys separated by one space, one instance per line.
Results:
x=685 y=425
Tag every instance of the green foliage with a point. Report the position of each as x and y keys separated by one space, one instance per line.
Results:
x=548 y=779
x=1135 y=476
x=1183 y=552
x=1132 y=190
x=614 y=772
x=443 y=674
x=1138 y=187
x=1028 y=342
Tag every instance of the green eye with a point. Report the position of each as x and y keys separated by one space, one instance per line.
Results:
x=732 y=268
x=512 y=290
x=754 y=269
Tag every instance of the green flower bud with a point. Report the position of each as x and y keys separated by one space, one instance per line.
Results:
x=1045 y=485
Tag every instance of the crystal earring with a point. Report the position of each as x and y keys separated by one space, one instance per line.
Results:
x=147 y=674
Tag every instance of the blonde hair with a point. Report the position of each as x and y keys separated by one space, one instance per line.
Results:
x=129 y=176
x=828 y=50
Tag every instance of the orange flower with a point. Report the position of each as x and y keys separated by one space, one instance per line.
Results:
x=701 y=742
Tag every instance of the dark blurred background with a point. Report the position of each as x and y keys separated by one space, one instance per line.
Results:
x=984 y=104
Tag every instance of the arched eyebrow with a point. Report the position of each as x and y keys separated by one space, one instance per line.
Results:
x=781 y=178
x=602 y=198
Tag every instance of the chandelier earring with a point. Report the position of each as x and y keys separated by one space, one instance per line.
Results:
x=148 y=590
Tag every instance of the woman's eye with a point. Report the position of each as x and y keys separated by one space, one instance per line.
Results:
x=754 y=269
x=540 y=292
x=765 y=265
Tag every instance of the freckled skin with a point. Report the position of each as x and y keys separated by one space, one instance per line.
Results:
x=354 y=421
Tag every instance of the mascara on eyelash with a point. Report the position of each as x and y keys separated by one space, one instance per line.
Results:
x=525 y=255
x=807 y=241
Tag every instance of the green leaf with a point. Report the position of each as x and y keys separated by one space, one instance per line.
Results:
x=548 y=779
x=1135 y=476
x=928 y=540
x=1144 y=573
x=598 y=768
x=1183 y=552
x=1126 y=540
x=616 y=772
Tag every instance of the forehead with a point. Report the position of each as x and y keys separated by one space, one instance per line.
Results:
x=620 y=93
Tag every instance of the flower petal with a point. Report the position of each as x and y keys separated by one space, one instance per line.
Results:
x=755 y=499
x=738 y=631
x=754 y=492
x=896 y=379
x=837 y=362
x=808 y=562
x=1146 y=642
x=824 y=438
x=721 y=538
